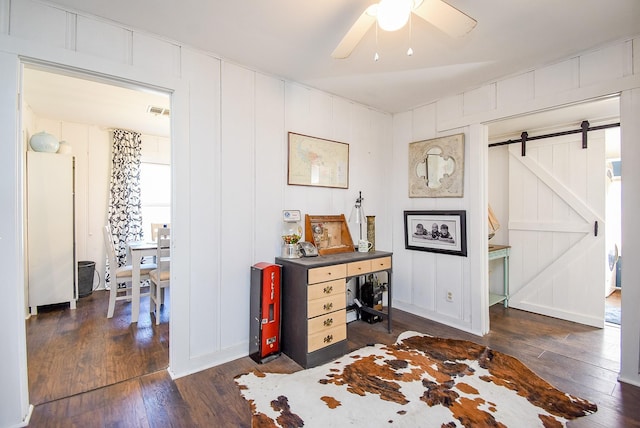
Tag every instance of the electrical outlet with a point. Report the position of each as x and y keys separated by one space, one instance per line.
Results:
x=449 y=296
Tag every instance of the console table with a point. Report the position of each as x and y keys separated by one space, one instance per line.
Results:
x=501 y=252
x=314 y=300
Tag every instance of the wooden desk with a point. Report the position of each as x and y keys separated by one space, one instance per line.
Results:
x=138 y=250
x=501 y=252
x=314 y=300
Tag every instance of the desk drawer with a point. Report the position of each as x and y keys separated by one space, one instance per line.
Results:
x=325 y=289
x=325 y=322
x=327 y=273
x=325 y=305
x=327 y=337
x=382 y=263
x=359 y=268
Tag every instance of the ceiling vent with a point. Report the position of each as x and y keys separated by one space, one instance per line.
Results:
x=158 y=111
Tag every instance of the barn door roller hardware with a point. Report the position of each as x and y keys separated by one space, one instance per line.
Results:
x=584 y=128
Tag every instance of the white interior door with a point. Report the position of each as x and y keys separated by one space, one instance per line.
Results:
x=556 y=203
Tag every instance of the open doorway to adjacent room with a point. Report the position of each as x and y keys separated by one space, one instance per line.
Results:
x=70 y=351
x=561 y=203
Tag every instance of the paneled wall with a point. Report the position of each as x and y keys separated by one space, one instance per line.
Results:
x=229 y=163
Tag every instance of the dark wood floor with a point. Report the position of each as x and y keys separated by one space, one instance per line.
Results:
x=87 y=371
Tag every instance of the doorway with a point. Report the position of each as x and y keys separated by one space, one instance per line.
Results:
x=543 y=295
x=82 y=110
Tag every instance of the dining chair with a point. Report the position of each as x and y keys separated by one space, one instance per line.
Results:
x=161 y=276
x=155 y=227
x=121 y=274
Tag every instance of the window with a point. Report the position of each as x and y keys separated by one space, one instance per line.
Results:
x=155 y=195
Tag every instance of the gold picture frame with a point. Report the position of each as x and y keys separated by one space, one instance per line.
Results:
x=317 y=162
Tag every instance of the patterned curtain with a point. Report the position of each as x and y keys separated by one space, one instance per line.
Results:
x=125 y=214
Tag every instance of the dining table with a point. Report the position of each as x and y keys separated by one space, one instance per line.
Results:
x=137 y=250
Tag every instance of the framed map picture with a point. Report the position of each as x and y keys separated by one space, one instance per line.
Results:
x=317 y=162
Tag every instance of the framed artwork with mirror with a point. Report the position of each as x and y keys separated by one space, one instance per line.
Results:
x=436 y=167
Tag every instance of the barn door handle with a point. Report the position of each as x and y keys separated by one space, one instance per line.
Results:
x=595 y=228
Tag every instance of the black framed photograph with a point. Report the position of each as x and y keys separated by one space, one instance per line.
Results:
x=436 y=231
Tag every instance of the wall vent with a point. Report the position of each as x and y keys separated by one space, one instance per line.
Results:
x=158 y=111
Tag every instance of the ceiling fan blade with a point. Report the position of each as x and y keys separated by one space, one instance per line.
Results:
x=353 y=36
x=445 y=17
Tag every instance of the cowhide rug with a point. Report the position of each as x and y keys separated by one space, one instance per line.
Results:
x=420 y=381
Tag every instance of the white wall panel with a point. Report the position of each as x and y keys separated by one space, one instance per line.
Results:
x=14 y=395
x=4 y=16
x=39 y=23
x=202 y=179
x=605 y=64
x=361 y=164
x=556 y=78
x=630 y=152
x=297 y=102
x=515 y=90
x=237 y=200
x=321 y=114
x=480 y=100
x=635 y=56
x=103 y=40
x=98 y=175
x=341 y=119
x=79 y=134
x=450 y=108
x=151 y=53
x=270 y=164
x=449 y=278
x=424 y=123
x=398 y=198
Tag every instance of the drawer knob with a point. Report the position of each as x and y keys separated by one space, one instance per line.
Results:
x=328 y=339
x=328 y=322
x=328 y=289
x=328 y=306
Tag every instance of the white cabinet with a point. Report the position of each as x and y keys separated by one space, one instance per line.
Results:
x=50 y=230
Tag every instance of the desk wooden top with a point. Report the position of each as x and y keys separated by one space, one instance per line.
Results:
x=493 y=248
x=332 y=259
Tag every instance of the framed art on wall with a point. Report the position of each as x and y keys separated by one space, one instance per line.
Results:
x=317 y=162
x=436 y=167
x=436 y=231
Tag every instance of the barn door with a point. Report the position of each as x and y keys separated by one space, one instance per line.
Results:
x=556 y=227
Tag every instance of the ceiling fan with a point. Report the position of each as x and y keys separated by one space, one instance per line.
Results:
x=392 y=15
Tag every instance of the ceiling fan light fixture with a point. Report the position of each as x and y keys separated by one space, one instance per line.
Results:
x=392 y=15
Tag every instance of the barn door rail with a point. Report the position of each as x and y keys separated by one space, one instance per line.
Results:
x=584 y=128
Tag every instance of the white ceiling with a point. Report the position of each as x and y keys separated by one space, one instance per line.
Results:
x=294 y=39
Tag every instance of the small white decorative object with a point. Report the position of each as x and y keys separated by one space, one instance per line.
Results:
x=44 y=142
x=65 y=148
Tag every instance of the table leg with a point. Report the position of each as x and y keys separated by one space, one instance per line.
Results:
x=136 y=260
x=505 y=267
x=389 y=301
